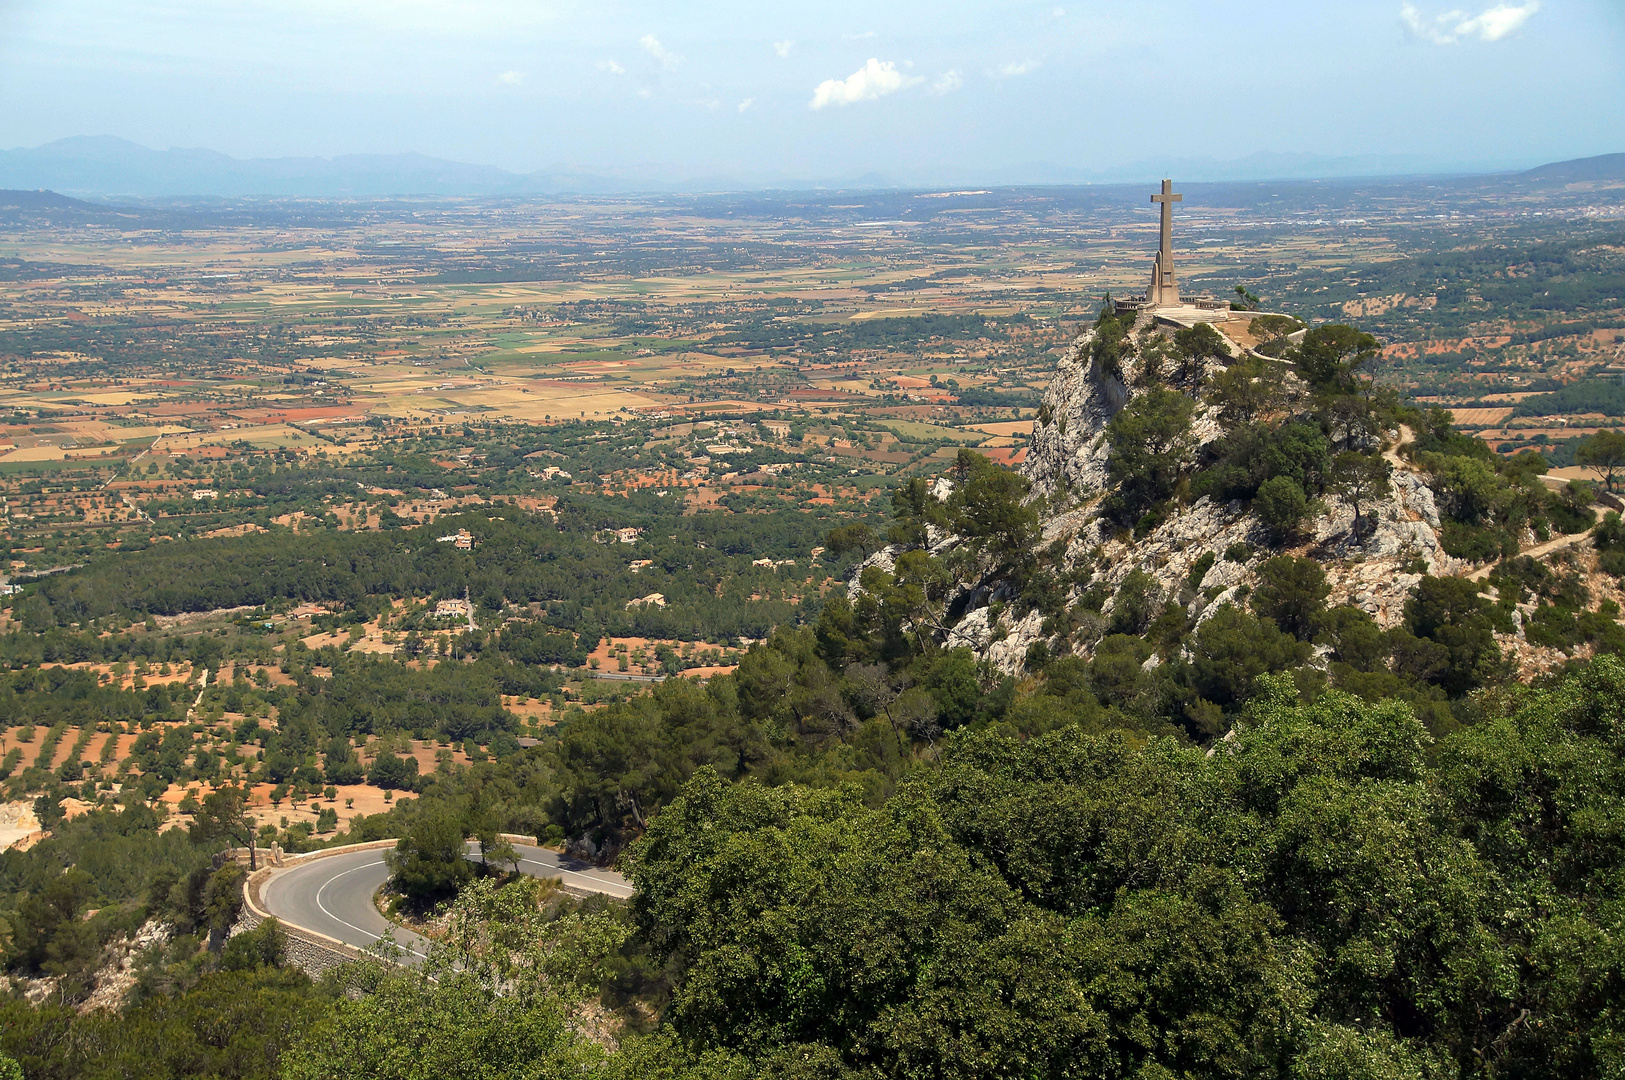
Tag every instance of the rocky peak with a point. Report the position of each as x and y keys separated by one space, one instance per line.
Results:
x=1202 y=553
x=1068 y=453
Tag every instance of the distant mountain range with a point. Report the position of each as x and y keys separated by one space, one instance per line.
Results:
x=105 y=167
x=1580 y=170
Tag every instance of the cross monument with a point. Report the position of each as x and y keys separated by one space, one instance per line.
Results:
x=1164 y=290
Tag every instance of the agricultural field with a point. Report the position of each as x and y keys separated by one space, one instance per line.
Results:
x=581 y=446
x=289 y=334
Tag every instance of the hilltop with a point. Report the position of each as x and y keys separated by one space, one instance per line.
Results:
x=44 y=208
x=1601 y=167
x=1213 y=511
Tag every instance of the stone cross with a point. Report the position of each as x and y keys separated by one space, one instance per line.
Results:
x=1164 y=290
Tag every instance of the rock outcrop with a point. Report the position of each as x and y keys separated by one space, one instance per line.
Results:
x=1067 y=463
x=1068 y=447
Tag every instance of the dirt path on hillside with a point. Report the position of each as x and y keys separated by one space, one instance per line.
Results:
x=1392 y=453
x=1556 y=544
x=1536 y=552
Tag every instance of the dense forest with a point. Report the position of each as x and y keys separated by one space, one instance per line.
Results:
x=868 y=858
x=1605 y=396
x=1330 y=893
x=701 y=563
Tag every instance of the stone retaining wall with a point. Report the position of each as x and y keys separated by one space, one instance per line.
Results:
x=309 y=951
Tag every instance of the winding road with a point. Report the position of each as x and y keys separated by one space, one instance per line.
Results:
x=333 y=895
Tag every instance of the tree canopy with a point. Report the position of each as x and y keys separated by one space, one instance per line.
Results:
x=1326 y=895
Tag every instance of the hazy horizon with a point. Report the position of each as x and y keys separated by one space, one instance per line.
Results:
x=1006 y=93
x=94 y=165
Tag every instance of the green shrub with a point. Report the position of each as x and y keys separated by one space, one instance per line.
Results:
x=1552 y=626
x=1607 y=535
x=1292 y=592
x=1232 y=649
x=1476 y=543
x=1567 y=519
x=1150 y=447
x=261 y=947
x=1199 y=570
x=1138 y=602
x=1282 y=505
x=428 y=861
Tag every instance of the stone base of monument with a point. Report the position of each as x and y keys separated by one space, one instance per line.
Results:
x=1230 y=324
x=1189 y=315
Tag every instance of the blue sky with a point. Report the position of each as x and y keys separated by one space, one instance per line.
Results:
x=926 y=90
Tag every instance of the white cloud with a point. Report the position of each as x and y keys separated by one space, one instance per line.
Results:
x=1059 y=13
x=1012 y=71
x=611 y=66
x=664 y=56
x=1491 y=24
x=872 y=80
x=783 y=47
x=1499 y=21
x=511 y=78
x=747 y=103
x=947 y=82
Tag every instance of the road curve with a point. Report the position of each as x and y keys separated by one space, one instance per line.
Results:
x=333 y=895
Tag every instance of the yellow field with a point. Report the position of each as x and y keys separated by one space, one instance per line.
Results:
x=128 y=434
x=267 y=435
x=115 y=399
x=532 y=399
x=37 y=453
x=1480 y=416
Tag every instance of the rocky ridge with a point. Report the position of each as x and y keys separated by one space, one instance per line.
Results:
x=1066 y=464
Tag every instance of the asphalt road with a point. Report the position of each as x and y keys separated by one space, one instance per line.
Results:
x=333 y=895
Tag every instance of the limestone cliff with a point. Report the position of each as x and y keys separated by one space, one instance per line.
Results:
x=1066 y=463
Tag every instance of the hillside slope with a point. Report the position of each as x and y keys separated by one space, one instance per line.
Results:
x=1374 y=571
x=1326 y=527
